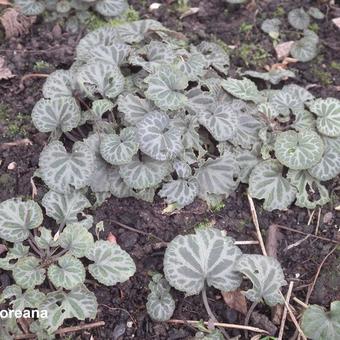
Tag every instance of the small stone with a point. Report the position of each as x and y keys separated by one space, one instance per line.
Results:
x=12 y=166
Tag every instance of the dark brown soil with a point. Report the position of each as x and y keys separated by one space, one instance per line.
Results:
x=126 y=302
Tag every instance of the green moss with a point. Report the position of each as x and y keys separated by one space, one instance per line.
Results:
x=335 y=65
x=252 y=55
x=218 y=207
x=13 y=128
x=314 y=27
x=41 y=65
x=245 y=27
x=181 y=6
x=324 y=77
x=204 y=224
x=279 y=12
x=96 y=21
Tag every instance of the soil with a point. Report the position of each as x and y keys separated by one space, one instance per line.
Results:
x=123 y=307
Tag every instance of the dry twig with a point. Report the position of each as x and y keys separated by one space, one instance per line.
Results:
x=284 y=316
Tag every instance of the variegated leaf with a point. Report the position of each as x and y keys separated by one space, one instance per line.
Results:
x=266 y=182
x=206 y=257
x=111 y=263
x=266 y=274
x=17 y=218
x=111 y=8
x=30 y=7
x=58 y=84
x=28 y=272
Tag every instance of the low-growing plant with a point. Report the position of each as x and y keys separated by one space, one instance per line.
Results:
x=209 y=258
x=75 y=12
x=36 y=258
x=160 y=113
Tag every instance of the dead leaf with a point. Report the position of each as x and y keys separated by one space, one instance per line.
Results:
x=235 y=300
x=15 y=24
x=190 y=11
x=281 y=66
x=3 y=248
x=283 y=49
x=5 y=3
x=336 y=21
x=5 y=72
x=34 y=188
x=112 y=238
x=272 y=240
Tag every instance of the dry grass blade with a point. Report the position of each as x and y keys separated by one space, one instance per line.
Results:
x=284 y=316
x=15 y=24
x=5 y=72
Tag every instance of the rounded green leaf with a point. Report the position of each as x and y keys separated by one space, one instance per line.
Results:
x=180 y=191
x=315 y=13
x=328 y=112
x=266 y=274
x=220 y=120
x=58 y=84
x=299 y=150
x=285 y=102
x=68 y=273
x=45 y=240
x=329 y=165
x=61 y=170
x=298 y=18
x=304 y=49
x=271 y=26
x=310 y=192
x=145 y=173
x=27 y=272
x=17 y=218
x=119 y=149
x=317 y=324
x=101 y=78
x=165 y=88
x=111 y=263
x=206 y=257
x=116 y=53
x=266 y=182
x=79 y=303
x=218 y=176
x=157 y=138
x=111 y=8
x=244 y=89
x=64 y=208
x=30 y=7
x=76 y=239
x=118 y=187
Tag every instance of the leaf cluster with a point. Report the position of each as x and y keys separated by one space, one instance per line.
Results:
x=209 y=258
x=74 y=12
x=162 y=116
x=35 y=256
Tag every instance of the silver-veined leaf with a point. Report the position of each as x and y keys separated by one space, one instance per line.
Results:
x=303 y=120
x=266 y=182
x=45 y=240
x=299 y=150
x=285 y=102
x=111 y=8
x=299 y=92
x=273 y=76
x=134 y=108
x=119 y=149
x=28 y=272
x=76 y=239
x=118 y=187
x=315 y=13
x=166 y=86
x=329 y=165
x=298 y=18
x=31 y=298
x=243 y=89
x=111 y=263
x=317 y=324
x=58 y=84
x=328 y=112
x=180 y=191
x=30 y=7
x=218 y=176
x=145 y=173
x=101 y=78
x=310 y=192
x=17 y=218
x=206 y=257
x=79 y=303
x=61 y=170
x=271 y=26
x=68 y=273
x=115 y=54
x=247 y=160
x=157 y=138
x=160 y=304
x=64 y=208
x=193 y=65
x=220 y=120
x=266 y=274
x=304 y=49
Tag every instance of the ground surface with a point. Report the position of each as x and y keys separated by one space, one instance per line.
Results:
x=231 y=26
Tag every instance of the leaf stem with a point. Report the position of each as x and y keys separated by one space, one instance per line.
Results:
x=250 y=312
x=210 y=312
x=34 y=246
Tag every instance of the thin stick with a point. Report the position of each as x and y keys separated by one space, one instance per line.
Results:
x=318 y=222
x=219 y=324
x=65 y=330
x=250 y=312
x=309 y=293
x=303 y=233
x=300 y=302
x=245 y=243
x=32 y=75
x=311 y=217
x=136 y=230
x=256 y=223
x=284 y=315
x=19 y=142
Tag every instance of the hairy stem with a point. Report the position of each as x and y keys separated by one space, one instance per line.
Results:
x=210 y=312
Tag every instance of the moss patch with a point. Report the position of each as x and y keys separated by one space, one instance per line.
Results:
x=252 y=55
